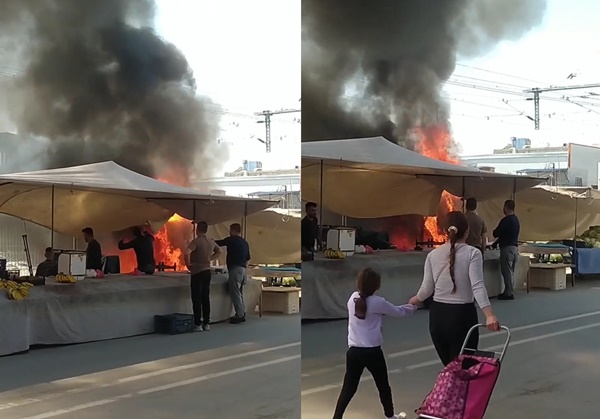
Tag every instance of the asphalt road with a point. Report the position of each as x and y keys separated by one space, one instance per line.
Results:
x=551 y=369
x=249 y=371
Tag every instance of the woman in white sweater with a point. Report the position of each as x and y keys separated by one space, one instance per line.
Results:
x=454 y=276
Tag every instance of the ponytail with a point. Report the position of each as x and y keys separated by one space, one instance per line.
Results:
x=452 y=235
x=368 y=282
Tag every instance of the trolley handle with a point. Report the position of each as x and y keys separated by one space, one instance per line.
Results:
x=477 y=326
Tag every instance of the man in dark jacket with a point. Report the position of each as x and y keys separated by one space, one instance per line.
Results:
x=507 y=235
x=143 y=246
x=93 y=251
x=238 y=256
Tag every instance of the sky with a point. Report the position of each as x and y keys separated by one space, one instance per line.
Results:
x=483 y=120
x=246 y=58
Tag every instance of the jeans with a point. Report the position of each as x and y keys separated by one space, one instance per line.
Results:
x=200 y=286
x=237 y=280
x=508 y=262
x=357 y=359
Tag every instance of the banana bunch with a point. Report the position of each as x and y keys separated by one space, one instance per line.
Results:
x=65 y=278
x=334 y=254
x=16 y=291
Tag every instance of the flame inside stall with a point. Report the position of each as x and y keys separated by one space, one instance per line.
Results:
x=170 y=242
x=406 y=231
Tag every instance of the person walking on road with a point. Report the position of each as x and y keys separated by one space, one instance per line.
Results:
x=477 y=227
x=365 y=314
x=238 y=257
x=200 y=253
x=454 y=276
x=507 y=234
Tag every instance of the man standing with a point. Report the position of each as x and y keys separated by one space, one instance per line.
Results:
x=310 y=228
x=93 y=251
x=143 y=246
x=507 y=234
x=238 y=256
x=200 y=252
x=477 y=227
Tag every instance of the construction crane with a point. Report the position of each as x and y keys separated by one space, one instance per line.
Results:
x=267 y=122
x=536 y=96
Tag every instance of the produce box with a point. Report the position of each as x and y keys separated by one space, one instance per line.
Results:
x=173 y=324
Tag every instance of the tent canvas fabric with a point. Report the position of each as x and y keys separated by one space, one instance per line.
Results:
x=109 y=197
x=372 y=177
x=548 y=213
x=273 y=236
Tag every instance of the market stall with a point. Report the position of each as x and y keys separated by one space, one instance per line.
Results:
x=109 y=198
x=555 y=214
x=373 y=178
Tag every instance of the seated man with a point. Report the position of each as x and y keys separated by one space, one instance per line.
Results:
x=49 y=267
x=143 y=246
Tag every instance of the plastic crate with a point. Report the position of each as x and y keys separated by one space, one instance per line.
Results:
x=174 y=324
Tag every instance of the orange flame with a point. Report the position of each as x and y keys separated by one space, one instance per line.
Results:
x=435 y=142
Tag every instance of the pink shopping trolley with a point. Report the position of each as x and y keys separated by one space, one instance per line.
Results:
x=464 y=387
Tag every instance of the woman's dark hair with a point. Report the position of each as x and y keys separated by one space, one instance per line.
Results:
x=457 y=229
x=368 y=282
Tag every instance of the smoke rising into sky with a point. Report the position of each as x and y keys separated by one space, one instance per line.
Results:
x=100 y=84
x=373 y=68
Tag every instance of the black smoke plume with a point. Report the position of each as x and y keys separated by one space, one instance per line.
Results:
x=373 y=68
x=100 y=84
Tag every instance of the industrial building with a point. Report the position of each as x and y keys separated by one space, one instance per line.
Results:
x=567 y=165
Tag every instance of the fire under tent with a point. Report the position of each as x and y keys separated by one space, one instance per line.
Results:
x=110 y=198
x=373 y=178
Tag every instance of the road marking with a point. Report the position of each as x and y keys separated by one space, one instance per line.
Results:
x=103 y=402
x=328 y=387
x=431 y=347
x=90 y=385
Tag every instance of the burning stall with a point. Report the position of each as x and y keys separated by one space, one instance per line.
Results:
x=110 y=199
x=373 y=178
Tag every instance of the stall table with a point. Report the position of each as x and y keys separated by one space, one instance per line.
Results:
x=547 y=249
x=273 y=273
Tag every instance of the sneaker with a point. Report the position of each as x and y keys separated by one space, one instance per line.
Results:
x=197 y=328
x=402 y=415
x=206 y=327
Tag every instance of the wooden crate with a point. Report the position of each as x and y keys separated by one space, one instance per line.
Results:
x=549 y=276
x=284 y=300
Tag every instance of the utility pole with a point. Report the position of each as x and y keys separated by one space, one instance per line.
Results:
x=267 y=122
x=536 y=96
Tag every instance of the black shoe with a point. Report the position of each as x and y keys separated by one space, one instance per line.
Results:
x=504 y=297
x=237 y=320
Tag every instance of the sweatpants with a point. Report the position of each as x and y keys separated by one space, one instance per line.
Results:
x=200 y=287
x=449 y=325
x=357 y=359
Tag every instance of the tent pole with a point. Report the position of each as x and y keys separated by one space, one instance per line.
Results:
x=245 y=219
x=320 y=208
x=514 y=192
x=464 y=192
x=52 y=221
x=194 y=218
x=574 y=261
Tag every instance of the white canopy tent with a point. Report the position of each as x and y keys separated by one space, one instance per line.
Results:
x=273 y=235
x=548 y=213
x=109 y=197
x=372 y=178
